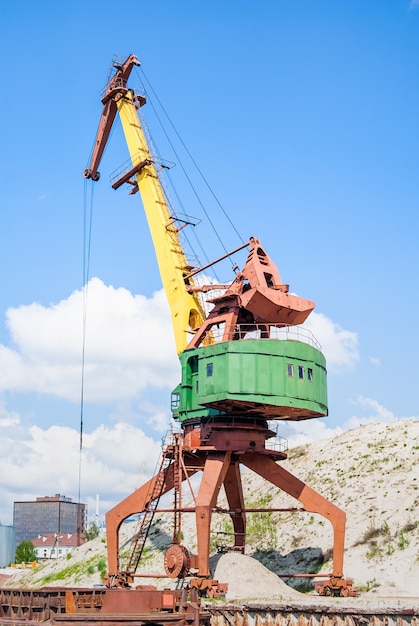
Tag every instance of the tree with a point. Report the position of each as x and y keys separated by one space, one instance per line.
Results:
x=25 y=552
x=92 y=532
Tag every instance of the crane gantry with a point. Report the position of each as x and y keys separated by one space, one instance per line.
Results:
x=245 y=363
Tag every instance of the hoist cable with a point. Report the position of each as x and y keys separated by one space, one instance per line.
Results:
x=87 y=237
x=193 y=161
x=189 y=179
x=165 y=178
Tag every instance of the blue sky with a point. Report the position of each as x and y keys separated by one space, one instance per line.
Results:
x=303 y=116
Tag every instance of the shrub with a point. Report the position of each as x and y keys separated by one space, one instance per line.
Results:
x=101 y=564
x=374 y=551
x=92 y=532
x=403 y=541
x=25 y=552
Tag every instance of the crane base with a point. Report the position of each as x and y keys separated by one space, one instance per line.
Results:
x=208 y=588
x=335 y=586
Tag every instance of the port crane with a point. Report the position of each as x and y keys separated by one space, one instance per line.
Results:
x=244 y=365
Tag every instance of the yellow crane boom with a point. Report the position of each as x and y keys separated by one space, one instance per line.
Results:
x=185 y=307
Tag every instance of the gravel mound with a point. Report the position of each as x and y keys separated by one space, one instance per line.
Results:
x=248 y=579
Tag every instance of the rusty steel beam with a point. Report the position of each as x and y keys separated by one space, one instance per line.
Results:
x=94 y=607
x=312 y=501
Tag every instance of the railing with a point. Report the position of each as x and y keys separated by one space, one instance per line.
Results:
x=276 y=443
x=265 y=331
x=127 y=165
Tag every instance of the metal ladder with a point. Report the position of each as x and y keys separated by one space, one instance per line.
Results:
x=141 y=534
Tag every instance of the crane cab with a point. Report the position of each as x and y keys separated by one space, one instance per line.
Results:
x=267 y=378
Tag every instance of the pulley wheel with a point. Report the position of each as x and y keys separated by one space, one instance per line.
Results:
x=176 y=561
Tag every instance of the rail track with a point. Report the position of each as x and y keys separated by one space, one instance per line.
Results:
x=334 y=613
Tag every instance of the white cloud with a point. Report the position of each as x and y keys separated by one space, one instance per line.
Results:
x=373 y=412
x=129 y=346
x=8 y=418
x=339 y=346
x=307 y=431
x=38 y=462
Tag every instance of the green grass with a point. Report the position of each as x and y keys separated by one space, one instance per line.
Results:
x=76 y=571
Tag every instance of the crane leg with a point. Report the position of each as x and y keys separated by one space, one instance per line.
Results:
x=215 y=469
x=311 y=500
x=234 y=492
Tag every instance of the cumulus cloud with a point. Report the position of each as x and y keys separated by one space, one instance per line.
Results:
x=36 y=462
x=307 y=431
x=129 y=345
x=339 y=346
x=371 y=412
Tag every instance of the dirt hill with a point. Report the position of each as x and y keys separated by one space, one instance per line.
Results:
x=371 y=472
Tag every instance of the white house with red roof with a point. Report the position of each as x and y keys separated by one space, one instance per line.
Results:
x=56 y=545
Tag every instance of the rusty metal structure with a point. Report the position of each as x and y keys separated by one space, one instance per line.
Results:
x=237 y=376
x=148 y=607
x=115 y=607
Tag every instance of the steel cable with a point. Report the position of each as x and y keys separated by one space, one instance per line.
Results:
x=87 y=238
x=192 y=160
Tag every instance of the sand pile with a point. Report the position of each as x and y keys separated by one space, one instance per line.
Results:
x=248 y=579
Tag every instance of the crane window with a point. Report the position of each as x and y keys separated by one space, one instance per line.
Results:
x=300 y=371
x=175 y=401
x=209 y=369
x=193 y=364
x=290 y=369
x=309 y=374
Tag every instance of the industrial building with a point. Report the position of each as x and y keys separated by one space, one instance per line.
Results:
x=7 y=545
x=49 y=514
